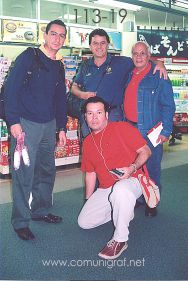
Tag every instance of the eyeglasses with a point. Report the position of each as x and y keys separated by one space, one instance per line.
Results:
x=142 y=54
x=61 y=35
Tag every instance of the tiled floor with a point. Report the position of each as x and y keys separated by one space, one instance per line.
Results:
x=72 y=177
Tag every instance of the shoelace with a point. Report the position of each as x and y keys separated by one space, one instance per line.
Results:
x=21 y=152
x=111 y=243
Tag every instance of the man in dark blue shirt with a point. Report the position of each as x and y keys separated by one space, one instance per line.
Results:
x=35 y=107
x=103 y=75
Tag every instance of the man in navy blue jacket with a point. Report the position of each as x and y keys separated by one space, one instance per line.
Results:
x=36 y=105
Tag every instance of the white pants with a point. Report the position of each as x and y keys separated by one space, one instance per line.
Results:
x=117 y=204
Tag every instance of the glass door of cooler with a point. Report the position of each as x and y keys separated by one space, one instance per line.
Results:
x=178 y=75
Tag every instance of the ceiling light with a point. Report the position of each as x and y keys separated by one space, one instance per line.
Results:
x=17 y=6
x=70 y=17
x=115 y=4
x=182 y=4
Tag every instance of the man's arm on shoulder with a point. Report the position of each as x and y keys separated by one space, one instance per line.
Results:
x=161 y=68
x=90 y=180
x=76 y=90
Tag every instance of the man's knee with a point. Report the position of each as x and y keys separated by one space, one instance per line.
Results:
x=120 y=192
x=82 y=222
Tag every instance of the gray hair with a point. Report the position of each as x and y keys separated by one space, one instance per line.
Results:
x=145 y=44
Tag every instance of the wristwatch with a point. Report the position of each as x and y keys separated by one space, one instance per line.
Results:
x=61 y=129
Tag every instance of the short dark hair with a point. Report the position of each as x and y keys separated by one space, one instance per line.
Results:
x=95 y=100
x=59 y=22
x=100 y=32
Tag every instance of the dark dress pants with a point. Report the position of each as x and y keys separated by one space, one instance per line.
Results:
x=36 y=179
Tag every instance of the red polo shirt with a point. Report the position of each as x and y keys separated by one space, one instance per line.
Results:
x=130 y=100
x=114 y=147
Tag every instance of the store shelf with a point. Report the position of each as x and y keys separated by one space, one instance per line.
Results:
x=67 y=160
x=4 y=170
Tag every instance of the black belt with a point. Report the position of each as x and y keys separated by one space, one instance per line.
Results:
x=131 y=122
x=115 y=106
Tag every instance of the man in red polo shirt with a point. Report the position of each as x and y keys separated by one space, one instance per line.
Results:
x=111 y=145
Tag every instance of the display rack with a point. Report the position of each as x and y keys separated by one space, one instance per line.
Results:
x=178 y=74
x=64 y=155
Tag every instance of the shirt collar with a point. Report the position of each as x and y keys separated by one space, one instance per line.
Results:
x=58 y=55
x=106 y=62
x=143 y=72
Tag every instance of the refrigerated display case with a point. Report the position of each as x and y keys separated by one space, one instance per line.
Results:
x=178 y=74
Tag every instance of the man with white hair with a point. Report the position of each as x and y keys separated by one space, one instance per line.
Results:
x=149 y=100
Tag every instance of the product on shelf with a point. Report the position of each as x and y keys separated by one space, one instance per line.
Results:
x=4 y=148
x=4 y=153
x=72 y=124
x=3 y=130
x=72 y=148
x=4 y=67
x=71 y=65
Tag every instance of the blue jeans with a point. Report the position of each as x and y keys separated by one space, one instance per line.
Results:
x=115 y=114
x=154 y=163
x=38 y=178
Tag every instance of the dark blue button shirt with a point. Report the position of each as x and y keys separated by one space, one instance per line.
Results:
x=108 y=80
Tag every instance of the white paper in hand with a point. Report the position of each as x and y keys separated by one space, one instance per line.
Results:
x=154 y=133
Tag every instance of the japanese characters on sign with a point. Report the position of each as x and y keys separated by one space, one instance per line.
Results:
x=165 y=43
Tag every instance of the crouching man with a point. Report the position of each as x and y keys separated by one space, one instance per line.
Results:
x=111 y=145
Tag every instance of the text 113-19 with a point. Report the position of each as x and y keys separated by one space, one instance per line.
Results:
x=99 y=17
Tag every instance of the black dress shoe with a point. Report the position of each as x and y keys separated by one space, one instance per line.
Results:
x=48 y=218
x=25 y=233
x=150 y=212
x=138 y=204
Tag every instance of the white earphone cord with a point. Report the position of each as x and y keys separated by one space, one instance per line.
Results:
x=100 y=152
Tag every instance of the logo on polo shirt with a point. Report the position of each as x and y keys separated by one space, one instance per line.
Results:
x=108 y=70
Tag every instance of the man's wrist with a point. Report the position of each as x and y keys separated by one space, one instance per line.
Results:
x=61 y=130
x=134 y=167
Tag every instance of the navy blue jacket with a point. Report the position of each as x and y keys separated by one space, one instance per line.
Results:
x=40 y=99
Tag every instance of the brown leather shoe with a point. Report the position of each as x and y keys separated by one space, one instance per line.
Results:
x=48 y=218
x=150 y=212
x=25 y=233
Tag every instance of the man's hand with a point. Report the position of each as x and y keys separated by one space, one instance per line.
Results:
x=76 y=90
x=87 y=95
x=128 y=171
x=143 y=154
x=161 y=68
x=62 y=138
x=16 y=130
x=161 y=139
